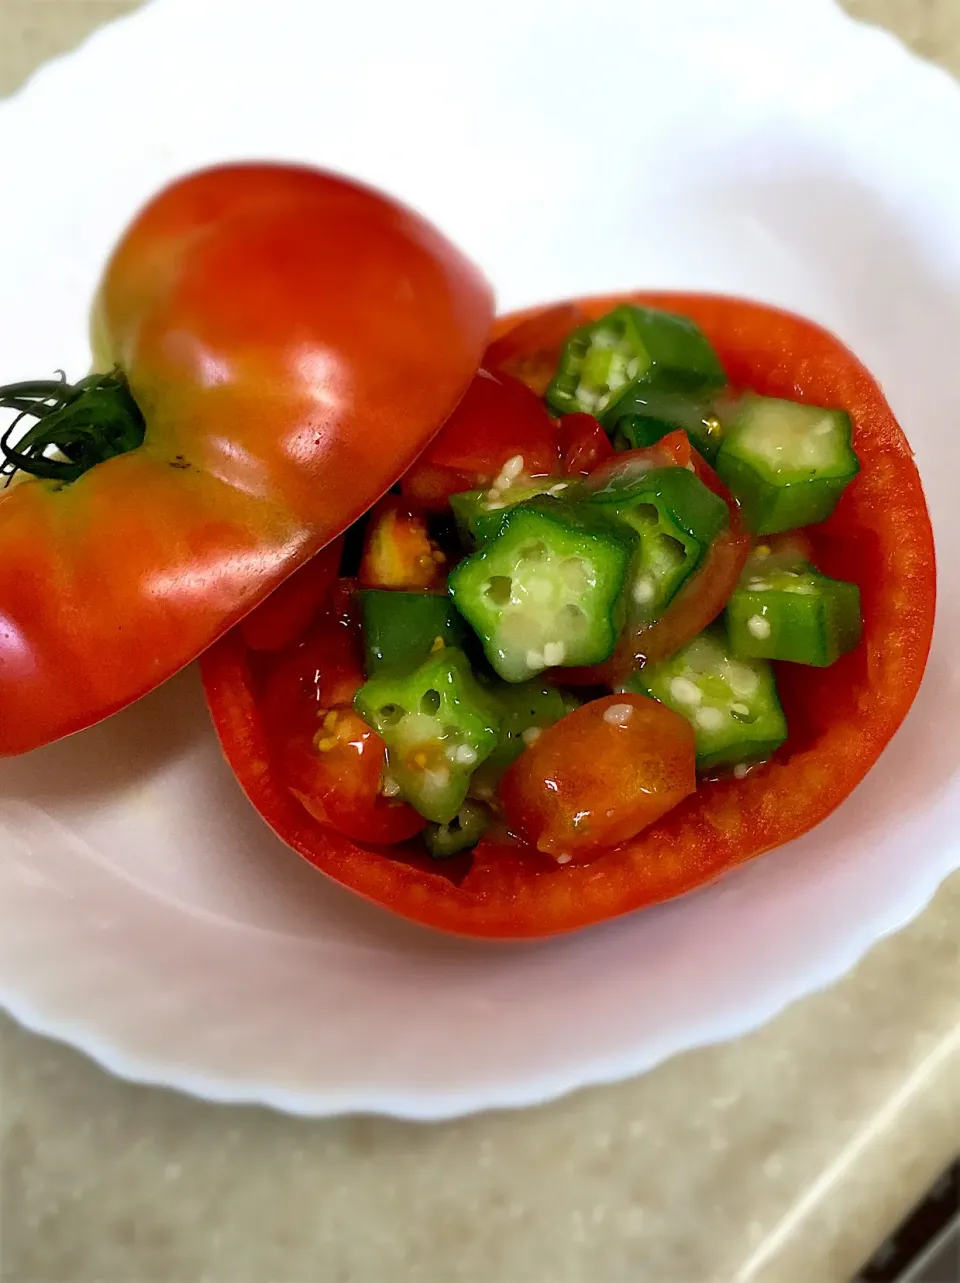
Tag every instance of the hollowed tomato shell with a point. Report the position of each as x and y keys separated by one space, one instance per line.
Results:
x=840 y=718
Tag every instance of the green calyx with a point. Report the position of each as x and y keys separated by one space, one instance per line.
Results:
x=77 y=425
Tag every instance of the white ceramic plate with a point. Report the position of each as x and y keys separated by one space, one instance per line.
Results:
x=770 y=149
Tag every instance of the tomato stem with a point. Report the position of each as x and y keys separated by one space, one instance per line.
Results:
x=83 y=424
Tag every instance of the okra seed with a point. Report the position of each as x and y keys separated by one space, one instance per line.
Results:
x=742 y=681
x=573 y=619
x=534 y=659
x=465 y=755
x=684 y=691
x=572 y=573
x=512 y=468
x=644 y=590
x=531 y=735
x=740 y=771
x=709 y=719
x=741 y=710
x=758 y=627
x=618 y=714
x=564 y=858
x=554 y=653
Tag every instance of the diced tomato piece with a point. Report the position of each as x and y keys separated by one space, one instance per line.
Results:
x=672 y=451
x=498 y=419
x=600 y=775
x=338 y=775
x=398 y=552
x=583 y=444
x=531 y=349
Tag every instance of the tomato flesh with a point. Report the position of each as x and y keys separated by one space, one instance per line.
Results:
x=600 y=775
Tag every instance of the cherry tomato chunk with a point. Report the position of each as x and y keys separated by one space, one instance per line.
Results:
x=672 y=451
x=600 y=775
x=398 y=552
x=498 y=419
x=583 y=444
x=337 y=775
x=531 y=349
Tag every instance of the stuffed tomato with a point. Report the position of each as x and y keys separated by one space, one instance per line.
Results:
x=651 y=603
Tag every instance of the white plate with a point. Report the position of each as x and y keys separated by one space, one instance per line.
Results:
x=773 y=149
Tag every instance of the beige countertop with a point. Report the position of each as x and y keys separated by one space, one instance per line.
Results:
x=783 y=1157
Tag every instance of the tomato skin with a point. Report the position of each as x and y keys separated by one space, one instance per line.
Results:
x=841 y=718
x=281 y=620
x=498 y=418
x=293 y=340
x=583 y=444
x=600 y=775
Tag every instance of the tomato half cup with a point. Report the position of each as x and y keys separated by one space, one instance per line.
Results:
x=840 y=718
